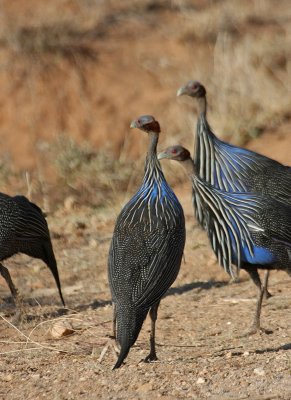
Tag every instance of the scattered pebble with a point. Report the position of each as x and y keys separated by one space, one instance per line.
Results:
x=7 y=378
x=146 y=387
x=61 y=329
x=259 y=371
x=69 y=203
x=200 y=381
x=93 y=243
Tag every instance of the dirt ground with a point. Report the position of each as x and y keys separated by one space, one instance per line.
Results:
x=201 y=354
x=129 y=59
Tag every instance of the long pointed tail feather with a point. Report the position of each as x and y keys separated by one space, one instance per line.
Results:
x=129 y=324
x=52 y=264
x=122 y=355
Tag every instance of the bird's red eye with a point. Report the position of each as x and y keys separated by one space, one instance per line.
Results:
x=174 y=151
x=138 y=121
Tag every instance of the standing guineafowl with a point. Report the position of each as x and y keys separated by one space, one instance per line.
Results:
x=23 y=229
x=231 y=168
x=248 y=230
x=146 y=249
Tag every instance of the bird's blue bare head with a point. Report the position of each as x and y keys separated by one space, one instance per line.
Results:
x=146 y=123
x=192 y=89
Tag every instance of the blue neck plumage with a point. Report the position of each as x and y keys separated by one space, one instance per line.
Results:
x=154 y=187
x=154 y=204
x=154 y=184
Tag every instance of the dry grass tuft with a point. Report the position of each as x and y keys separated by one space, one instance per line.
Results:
x=248 y=84
x=62 y=39
x=96 y=177
x=40 y=339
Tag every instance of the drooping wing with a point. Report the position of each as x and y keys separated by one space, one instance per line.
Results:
x=235 y=169
x=31 y=223
x=276 y=217
x=143 y=266
x=232 y=219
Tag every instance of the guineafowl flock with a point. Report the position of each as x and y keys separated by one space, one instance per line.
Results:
x=241 y=199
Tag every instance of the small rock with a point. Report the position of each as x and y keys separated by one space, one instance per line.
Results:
x=228 y=355
x=80 y=225
x=200 y=381
x=146 y=387
x=61 y=329
x=7 y=378
x=35 y=376
x=93 y=243
x=203 y=371
x=246 y=353
x=69 y=203
x=259 y=371
x=82 y=379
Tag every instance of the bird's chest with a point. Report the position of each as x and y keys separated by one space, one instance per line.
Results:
x=151 y=214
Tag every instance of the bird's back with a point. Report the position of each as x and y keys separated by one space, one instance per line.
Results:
x=22 y=225
x=236 y=169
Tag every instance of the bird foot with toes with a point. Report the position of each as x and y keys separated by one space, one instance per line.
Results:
x=255 y=329
x=151 y=357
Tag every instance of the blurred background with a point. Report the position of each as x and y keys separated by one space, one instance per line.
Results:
x=74 y=73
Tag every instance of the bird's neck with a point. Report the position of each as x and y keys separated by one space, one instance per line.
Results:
x=153 y=170
x=189 y=167
x=152 y=159
x=152 y=149
x=202 y=106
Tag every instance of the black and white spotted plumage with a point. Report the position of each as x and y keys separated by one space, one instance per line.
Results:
x=146 y=251
x=231 y=168
x=246 y=230
x=23 y=229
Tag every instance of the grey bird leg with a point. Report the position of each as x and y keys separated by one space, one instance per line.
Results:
x=113 y=335
x=6 y=275
x=255 y=327
x=267 y=294
x=153 y=315
x=257 y=281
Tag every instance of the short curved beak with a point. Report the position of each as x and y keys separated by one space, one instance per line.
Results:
x=133 y=124
x=181 y=91
x=162 y=155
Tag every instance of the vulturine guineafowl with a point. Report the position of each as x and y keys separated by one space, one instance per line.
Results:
x=146 y=249
x=250 y=231
x=23 y=229
x=231 y=168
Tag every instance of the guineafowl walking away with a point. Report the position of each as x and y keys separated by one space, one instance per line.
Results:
x=231 y=168
x=246 y=230
x=146 y=249
x=23 y=229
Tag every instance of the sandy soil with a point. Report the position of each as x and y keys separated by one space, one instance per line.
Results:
x=201 y=319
